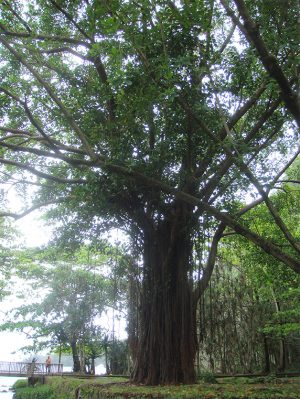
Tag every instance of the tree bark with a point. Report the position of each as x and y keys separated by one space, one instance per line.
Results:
x=167 y=341
x=267 y=364
x=76 y=361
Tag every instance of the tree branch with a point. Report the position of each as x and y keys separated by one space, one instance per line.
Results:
x=17 y=216
x=70 y=19
x=273 y=211
x=264 y=244
x=36 y=151
x=253 y=204
x=21 y=133
x=23 y=22
x=38 y=173
x=234 y=120
x=16 y=132
x=289 y=181
x=239 y=162
x=96 y=60
x=204 y=281
x=269 y=61
x=53 y=96
x=54 y=144
x=225 y=165
x=53 y=38
x=66 y=50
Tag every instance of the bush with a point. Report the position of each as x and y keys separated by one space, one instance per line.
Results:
x=208 y=377
x=38 y=392
x=20 y=384
x=268 y=379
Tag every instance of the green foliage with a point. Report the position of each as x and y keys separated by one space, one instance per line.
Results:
x=270 y=279
x=8 y=255
x=109 y=107
x=66 y=388
x=117 y=352
x=37 y=392
x=208 y=378
x=269 y=379
x=107 y=388
x=285 y=321
x=20 y=384
x=65 y=298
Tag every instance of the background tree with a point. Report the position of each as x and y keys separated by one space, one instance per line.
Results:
x=67 y=301
x=249 y=318
x=7 y=258
x=152 y=116
x=242 y=328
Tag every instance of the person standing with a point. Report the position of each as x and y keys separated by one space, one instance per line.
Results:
x=48 y=364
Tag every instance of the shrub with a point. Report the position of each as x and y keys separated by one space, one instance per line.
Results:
x=208 y=377
x=38 y=392
x=20 y=384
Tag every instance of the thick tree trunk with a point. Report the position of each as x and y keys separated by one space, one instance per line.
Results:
x=93 y=366
x=282 y=356
x=167 y=340
x=133 y=306
x=76 y=361
x=267 y=364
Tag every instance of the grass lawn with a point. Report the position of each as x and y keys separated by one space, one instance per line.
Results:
x=119 y=388
x=233 y=388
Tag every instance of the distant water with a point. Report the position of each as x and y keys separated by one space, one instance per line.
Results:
x=5 y=384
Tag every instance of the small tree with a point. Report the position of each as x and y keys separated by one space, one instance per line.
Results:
x=72 y=297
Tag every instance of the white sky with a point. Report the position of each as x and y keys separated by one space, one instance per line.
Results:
x=34 y=231
x=11 y=342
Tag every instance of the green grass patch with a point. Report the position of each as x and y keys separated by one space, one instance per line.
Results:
x=20 y=384
x=119 y=388
x=66 y=387
x=37 y=392
x=202 y=390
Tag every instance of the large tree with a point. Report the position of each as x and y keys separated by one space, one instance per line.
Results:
x=154 y=116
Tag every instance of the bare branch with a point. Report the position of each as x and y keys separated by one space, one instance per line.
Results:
x=36 y=151
x=207 y=272
x=233 y=121
x=52 y=143
x=17 y=216
x=39 y=128
x=273 y=211
x=225 y=165
x=50 y=38
x=70 y=19
x=276 y=180
x=23 y=22
x=41 y=174
x=289 y=181
x=227 y=40
x=18 y=133
x=56 y=50
x=96 y=60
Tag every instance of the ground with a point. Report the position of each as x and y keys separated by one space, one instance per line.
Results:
x=227 y=388
x=119 y=388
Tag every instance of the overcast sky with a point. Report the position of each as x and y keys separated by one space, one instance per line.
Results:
x=34 y=233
